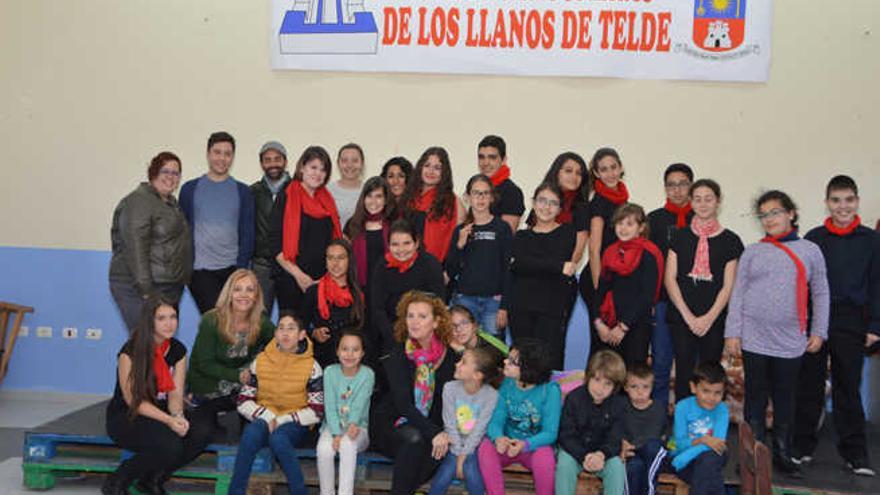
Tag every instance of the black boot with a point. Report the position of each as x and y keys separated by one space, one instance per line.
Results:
x=153 y=485
x=782 y=452
x=115 y=484
x=759 y=430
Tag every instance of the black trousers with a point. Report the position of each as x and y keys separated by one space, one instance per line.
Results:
x=205 y=286
x=411 y=451
x=770 y=377
x=691 y=350
x=549 y=328
x=634 y=346
x=158 y=450
x=846 y=348
x=290 y=296
x=705 y=474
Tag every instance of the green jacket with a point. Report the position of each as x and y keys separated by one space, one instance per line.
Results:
x=215 y=364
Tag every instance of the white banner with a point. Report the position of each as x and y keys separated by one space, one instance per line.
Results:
x=720 y=40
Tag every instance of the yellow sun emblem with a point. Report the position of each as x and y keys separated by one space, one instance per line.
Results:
x=720 y=4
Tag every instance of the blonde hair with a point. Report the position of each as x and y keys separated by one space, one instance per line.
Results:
x=438 y=308
x=223 y=309
x=610 y=365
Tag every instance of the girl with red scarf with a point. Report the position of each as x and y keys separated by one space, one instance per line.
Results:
x=146 y=414
x=369 y=227
x=569 y=173
x=407 y=424
x=431 y=203
x=767 y=323
x=335 y=303
x=606 y=170
x=304 y=221
x=700 y=272
x=629 y=286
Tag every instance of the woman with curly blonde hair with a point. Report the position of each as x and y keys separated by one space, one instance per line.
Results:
x=229 y=338
x=407 y=423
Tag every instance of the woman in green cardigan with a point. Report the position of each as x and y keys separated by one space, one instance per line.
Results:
x=230 y=337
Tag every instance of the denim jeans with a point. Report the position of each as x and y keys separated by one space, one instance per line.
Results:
x=446 y=473
x=662 y=353
x=484 y=308
x=282 y=442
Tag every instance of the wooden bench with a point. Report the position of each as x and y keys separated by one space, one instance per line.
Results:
x=755 y=465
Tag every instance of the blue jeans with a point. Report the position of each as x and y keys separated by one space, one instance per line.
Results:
x=484 y=308
x=282 y=441
x=446 y=472
x=662 y=353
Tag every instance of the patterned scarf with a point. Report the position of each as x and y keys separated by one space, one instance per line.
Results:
x=703 y=229
x=426 y=361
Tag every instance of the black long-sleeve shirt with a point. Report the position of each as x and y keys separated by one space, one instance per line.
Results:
x=314 y=236
x=633 y=295
x=340 y=319
x=586 y=427
x=482 y=268
x=853 y=267
x=661 y=226
x=387 y=286
x=400 y=400
x=538 y=281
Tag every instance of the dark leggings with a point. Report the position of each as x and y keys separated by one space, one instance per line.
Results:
x=206 y=285
x=634 y=346
x=411 y=451
x=691 y=350
x=546 y=327
x=158 y=450
x=770 y=377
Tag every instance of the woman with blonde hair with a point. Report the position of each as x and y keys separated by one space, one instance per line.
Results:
x=229 y=337
x=407 y=423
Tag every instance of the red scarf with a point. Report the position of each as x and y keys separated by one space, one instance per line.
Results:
x=803 y=292
x=567 y=210
x=359 y=246
x=438 y=231
x=500 y=175
x=618 y=196
x=703 y=230
x=845 y=231
x=164 y=380
x=402 y=266
x=622 y=258
x=331 y=294
x=681 y=212
x=320 y=205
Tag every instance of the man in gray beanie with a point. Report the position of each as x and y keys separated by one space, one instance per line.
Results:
x=273 y=160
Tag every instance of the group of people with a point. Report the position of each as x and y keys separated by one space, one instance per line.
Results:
x=395 y=303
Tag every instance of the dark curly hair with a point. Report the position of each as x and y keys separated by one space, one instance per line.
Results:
x=535 y=365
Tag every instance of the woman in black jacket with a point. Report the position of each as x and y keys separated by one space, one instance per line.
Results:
x=407 y=423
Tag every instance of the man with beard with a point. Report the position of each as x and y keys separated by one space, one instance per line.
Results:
x=273 y=160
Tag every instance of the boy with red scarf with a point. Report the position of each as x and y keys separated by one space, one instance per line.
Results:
x=629 y=285
x=662 y=222
x=492 y=161
x=852 y=256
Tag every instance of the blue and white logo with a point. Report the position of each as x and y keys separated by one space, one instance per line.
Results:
x=328 y=27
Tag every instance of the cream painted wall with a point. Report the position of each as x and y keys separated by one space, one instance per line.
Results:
x=90 y=90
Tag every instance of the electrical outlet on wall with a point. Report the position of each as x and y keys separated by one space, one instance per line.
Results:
x=44 y=332
x=69 y=333
x=23 y=331
x=93 y=333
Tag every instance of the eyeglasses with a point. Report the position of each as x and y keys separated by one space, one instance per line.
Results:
x=678 y=185
x=552 y=203
x=168 y=171
x=462 y=324
x=481 y=194
x=772 y=213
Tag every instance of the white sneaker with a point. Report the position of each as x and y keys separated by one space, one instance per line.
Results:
x=804 y=459
x=860 y=468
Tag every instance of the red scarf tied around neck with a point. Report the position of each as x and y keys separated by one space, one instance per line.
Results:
x=680 y=212
x=500 y=175
x=164 y=380
x=566 y=210
x=802 y=289
x=438 y=228
x=320 y=205
x=845 y=231
x=331 y=294
x=618 y=196
x=622 y=258
x=402 y=266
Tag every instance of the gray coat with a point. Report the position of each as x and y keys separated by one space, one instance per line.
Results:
x=151 y=240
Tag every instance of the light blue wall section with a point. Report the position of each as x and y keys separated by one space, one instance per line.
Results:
x=68 y=288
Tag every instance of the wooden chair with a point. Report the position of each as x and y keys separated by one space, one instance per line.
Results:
x=755 y=467
x=7 y=342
